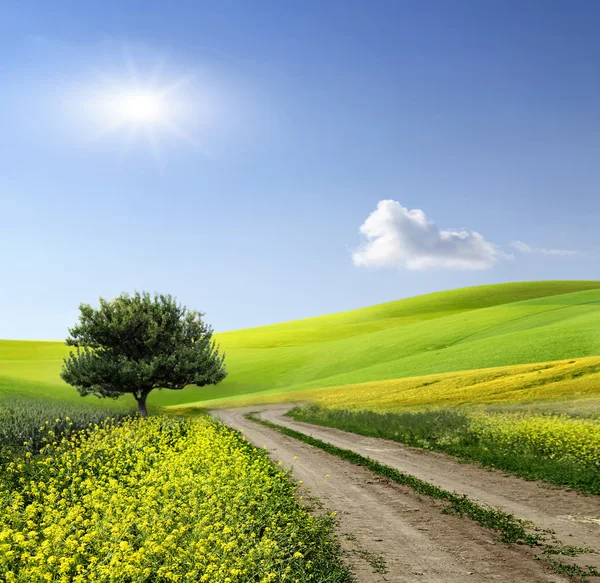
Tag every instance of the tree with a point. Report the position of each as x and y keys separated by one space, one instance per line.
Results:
x=135 y=344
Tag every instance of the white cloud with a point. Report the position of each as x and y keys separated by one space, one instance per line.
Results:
x=524 y=248
x=402 y=238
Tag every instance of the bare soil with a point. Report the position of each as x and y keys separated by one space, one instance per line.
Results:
x=386 y=526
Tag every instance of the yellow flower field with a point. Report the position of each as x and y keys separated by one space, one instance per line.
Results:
x=158 y=500
x=558 y=381
x=531 y=428
x=558 y=448
x=551 y=436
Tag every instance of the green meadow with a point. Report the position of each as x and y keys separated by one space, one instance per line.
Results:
x=457 y=330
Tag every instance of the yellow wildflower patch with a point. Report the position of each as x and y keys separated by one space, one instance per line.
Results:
x=162 y=500
x=563 y=380
x=551 y=436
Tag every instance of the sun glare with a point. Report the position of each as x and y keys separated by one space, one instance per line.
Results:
x=140 y=107
x=150 y=106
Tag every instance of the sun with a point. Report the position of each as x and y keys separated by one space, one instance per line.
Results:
x=141 y=107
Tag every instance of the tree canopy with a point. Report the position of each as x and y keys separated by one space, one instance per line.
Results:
x=138 y=343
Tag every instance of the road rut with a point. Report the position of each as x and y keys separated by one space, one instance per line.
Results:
x=379 y=518
x=573 y=517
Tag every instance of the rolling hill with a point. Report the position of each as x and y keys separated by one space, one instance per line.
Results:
x=457 y=330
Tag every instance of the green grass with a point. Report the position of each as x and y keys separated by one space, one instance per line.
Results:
x=351 y=348
x=465 y=329
x=561 y=386
x=159 y=499
x=28 y=421
x=510 y=529
x=451 y=431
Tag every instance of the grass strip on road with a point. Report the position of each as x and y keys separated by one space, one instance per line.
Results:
x=510 y=529
x=556 y=448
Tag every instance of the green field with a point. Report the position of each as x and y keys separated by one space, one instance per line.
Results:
x=464 y=329
x=574 y=383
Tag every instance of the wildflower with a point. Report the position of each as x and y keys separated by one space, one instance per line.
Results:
x=148 y=499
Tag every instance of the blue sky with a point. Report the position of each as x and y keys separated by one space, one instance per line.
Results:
x=295 y=120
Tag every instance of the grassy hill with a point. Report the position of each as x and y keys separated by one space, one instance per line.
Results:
x=464 y=329
x=533 y=387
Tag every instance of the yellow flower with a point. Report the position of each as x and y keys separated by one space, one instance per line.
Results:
x=148 y=499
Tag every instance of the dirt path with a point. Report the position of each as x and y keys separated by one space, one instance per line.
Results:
x=379 y=518
x=573 y=517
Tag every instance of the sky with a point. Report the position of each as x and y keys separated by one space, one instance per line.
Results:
x=267 y=161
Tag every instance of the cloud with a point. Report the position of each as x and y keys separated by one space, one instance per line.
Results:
x=402 y=238
x=524 y=248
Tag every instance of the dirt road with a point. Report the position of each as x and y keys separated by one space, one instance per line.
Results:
x=573 y=517
x=380 y=519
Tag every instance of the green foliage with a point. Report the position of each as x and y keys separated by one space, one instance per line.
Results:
x=377 y=561
x=28 y=421
x=573 y=572
x=160 y=500
x=509 y=528
x=472 y=328
x=453 y=432
x=464 y=329
x=424 y=429
x=134 y=344
x=28 y=425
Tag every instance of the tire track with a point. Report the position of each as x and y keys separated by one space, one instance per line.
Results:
x=383 y=519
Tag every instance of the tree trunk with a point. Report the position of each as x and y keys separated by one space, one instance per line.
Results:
x=141 y=401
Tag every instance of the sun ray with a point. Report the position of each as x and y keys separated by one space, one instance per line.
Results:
x=180 y=133
x=113 y=127
x=144 y=106
x=157 y=72
x=130 y=64
x=177 y=85
x=155 y=149
x=132 y=131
